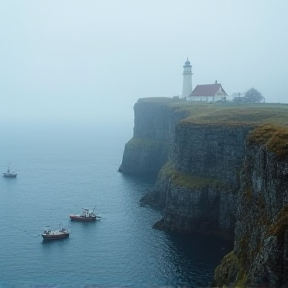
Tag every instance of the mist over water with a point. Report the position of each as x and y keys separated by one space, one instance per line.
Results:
x=88 y=59
x=70 y=74
x=62 y=168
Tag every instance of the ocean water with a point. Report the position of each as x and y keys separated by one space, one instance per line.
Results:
x=62 y=168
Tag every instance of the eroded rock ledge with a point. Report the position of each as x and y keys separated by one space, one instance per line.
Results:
x=260 y=256
x=222 y=170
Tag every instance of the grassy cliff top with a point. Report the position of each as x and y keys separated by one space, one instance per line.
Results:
x=270 y=120
x=226 y=113
x=274 y=137
x=159 y=100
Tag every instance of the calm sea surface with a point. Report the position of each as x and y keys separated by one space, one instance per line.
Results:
x=64 y=168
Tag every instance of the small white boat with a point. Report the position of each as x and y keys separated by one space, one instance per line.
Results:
x=9 y=174
x=61 y=233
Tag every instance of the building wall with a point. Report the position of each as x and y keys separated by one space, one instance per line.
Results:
x=206 y=98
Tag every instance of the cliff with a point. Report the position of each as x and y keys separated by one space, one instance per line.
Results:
x=221 y=170
x=197 y=187
x=154 y=125
x=260 y=256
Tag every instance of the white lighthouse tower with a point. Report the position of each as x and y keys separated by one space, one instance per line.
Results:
x=187 y=79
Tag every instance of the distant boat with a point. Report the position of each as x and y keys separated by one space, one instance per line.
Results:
x=61 y=233
x=9 y=174
x=85 y=216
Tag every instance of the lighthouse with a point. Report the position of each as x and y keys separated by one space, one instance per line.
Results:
x=187 y=79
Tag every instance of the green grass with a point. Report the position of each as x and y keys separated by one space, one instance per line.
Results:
x=229 y=273
x=227 y=113
x=237 y=114
x=280 y=225
x=275 y=138
x=156 y=100
x=186 y=180
x=270 y=120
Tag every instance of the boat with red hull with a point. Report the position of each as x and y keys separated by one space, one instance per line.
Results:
x=85 y=216
x=61 y=233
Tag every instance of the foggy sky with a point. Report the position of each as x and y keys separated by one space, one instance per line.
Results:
x=92 y=59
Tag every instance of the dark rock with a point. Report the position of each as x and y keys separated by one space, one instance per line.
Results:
x=154 y=128
x=219 y=179
x=261 y=230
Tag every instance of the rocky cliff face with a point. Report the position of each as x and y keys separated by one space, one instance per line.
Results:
x=198 y=190
x=210 y=151
x=154 y=128
x=260 y=256
x=224 y=178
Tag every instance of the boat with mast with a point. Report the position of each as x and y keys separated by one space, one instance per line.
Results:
x=61 y=233
x=85 y=216
x=9 y=174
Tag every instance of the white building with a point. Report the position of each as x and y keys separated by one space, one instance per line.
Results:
x=187 y=79
x=208 y=93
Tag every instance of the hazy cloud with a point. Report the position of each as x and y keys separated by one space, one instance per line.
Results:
x=85 y=59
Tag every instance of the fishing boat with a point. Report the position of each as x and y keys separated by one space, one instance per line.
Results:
x=85 y=216
x=9 y=174
x=61 y=233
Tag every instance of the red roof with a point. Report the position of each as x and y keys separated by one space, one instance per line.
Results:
x=205 y=90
